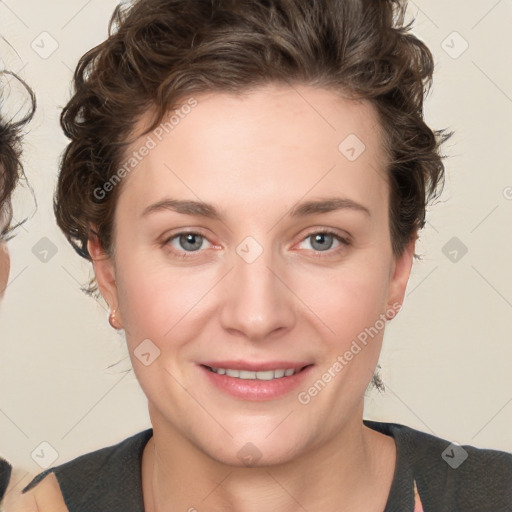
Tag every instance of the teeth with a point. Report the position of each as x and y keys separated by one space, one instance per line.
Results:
x=246 y=374
x=268 y=375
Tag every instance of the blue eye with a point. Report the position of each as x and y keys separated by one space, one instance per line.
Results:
x=190 y=242
x=322 y=241
x=185 y=244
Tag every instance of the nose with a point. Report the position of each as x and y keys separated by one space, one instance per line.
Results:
x=258 y=300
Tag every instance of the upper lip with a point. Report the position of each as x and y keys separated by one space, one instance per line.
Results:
x=256 y=366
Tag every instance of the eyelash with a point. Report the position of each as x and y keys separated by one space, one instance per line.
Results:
x=345 y=242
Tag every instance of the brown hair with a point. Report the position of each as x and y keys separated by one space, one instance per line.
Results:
x=161 y=51
x=11 y=169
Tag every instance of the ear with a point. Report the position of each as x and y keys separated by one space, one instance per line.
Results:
x=400 y=273
x=104 y=271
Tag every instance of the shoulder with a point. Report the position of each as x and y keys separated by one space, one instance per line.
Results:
x=99 y=460
x=45 y=497
x=452 y=476
x=100 y=478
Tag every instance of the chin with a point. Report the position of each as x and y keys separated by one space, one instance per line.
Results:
x=253 y=454
x=258 y=445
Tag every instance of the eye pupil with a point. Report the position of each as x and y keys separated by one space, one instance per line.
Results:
x=320 y=237
x=190 y=238
x=192 y=242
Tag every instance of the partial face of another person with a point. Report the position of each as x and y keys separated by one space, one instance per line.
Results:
x=4 y=260
x=284 y=269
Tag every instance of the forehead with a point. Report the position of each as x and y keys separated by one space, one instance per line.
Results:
x=267 y=141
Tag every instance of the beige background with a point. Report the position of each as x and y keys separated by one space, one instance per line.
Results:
x=447 y=357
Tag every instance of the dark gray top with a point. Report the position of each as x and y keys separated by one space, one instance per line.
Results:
x=109 y=480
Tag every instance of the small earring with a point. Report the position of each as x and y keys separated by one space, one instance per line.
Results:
x=112 y=320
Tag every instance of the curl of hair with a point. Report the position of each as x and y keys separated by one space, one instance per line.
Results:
x=160 y=52
x=11 y=168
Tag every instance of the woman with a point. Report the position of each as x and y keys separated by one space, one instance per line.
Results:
x=257 y=131
x=10 y=172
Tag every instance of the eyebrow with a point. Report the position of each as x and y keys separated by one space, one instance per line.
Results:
x=201 y=209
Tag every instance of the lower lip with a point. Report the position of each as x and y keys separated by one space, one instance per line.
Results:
x=257 y=390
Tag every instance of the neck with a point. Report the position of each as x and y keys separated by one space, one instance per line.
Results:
x=353 y=471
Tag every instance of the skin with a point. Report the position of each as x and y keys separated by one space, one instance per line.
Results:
x=5 y=262
x=255 y=157
x=4 y=267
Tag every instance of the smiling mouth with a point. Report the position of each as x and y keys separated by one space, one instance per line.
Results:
x=252 y=375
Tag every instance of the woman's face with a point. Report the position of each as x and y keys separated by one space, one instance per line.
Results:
x=260 y=286
x=4 y=267
x=4 y=258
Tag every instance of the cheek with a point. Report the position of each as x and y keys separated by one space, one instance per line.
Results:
x=350 y=299
x=154 y=299
x=163 y=304
x=4 y=267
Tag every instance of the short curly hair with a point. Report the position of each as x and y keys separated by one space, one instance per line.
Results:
x=161 y=51
x=11 y=168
